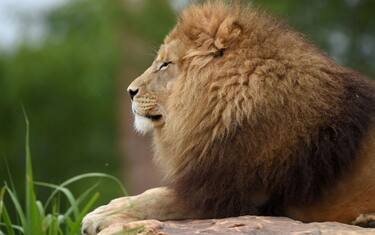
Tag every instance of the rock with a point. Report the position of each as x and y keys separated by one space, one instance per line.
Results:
x=256 y=225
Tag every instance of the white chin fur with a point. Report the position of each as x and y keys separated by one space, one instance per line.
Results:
x=142 y=124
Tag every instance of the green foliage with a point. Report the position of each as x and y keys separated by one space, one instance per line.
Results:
x=68 y=85
x=50 y=218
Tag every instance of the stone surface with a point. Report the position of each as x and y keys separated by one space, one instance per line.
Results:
x=256 y=225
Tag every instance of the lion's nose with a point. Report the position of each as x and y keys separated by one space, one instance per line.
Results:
x=132 y=93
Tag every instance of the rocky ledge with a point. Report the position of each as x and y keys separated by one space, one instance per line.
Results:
x=255 y=225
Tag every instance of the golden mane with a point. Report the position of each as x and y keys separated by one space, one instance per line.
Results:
x=256 y=108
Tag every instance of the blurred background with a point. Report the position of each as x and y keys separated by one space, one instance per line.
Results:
x=69 y=62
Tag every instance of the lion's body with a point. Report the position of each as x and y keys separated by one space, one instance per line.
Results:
x=271 y=117
x=350 y=195
x=250 y=118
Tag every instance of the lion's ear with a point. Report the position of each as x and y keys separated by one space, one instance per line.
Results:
x=227 y=33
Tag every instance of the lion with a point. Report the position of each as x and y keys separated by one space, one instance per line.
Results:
x=249 y=118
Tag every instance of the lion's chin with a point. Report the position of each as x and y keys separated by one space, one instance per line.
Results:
x=142 y=124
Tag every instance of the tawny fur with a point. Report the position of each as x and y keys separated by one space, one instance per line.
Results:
x=256 y=119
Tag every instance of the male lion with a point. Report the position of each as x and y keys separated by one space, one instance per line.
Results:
x=250 y=118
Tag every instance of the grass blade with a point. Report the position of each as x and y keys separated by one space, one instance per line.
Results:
x=40 y=209
x=89 y=205
x=74 y=228
x=10 y=178
x=80 y=199
x=7 y=222
x=17 y=205
x=85 y=176
x=2 y=193
x=95 y=175
x=53 y=228
x=14 y=227
x=66 y=192
x=33 y=221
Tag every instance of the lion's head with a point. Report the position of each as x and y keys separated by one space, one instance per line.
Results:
x=223 y=69
x=150 y=91
x=239 y=103
x=181 y=57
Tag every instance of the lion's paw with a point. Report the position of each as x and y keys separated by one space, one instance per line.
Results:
x=104 y=216
x=365 y=220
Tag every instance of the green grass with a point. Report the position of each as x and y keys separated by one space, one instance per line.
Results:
x=46 y=218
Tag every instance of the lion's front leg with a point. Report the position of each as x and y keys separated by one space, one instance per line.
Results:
x=158 y=203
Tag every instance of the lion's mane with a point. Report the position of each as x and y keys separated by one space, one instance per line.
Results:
x=257 y=110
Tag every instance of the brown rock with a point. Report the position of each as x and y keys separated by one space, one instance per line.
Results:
x=256 y=225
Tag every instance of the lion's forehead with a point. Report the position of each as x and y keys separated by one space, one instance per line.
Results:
x=172 y=50
x=162 y=54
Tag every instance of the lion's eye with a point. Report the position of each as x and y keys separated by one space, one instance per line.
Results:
x=164 y=65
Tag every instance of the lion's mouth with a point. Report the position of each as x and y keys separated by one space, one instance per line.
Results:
x=154 y=117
